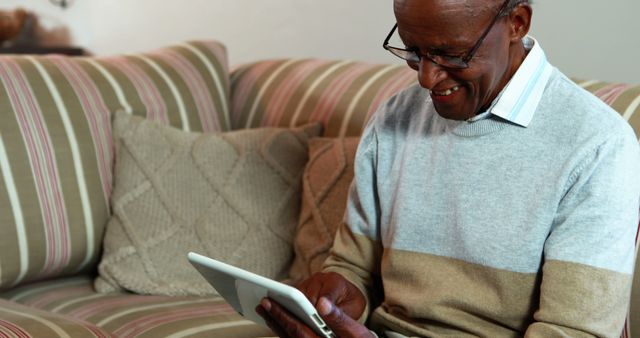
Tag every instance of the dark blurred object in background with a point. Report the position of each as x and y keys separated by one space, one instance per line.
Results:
x=16 y=27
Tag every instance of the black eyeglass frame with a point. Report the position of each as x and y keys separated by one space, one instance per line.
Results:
x=449 y=62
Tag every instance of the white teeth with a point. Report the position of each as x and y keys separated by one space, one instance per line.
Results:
x=447 y=92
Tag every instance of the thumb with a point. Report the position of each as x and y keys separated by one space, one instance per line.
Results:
x=340 y=323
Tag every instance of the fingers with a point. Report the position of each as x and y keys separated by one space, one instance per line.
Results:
x=281 y=322
x=340 y=323
x=275 y=327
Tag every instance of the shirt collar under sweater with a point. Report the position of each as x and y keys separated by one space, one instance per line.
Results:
x=519 y=99
x=516 y=103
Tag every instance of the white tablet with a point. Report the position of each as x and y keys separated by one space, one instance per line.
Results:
x=244 y=290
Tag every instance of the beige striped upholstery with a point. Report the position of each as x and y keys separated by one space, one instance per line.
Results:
x=127 y=315
x=55 y=144
x=13 y=318
x=340 y=94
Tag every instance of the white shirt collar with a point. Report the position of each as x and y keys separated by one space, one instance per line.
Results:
x=519 y=99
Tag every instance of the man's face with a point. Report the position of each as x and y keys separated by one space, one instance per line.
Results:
x=452 y=27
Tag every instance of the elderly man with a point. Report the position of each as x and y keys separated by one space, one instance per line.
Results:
x=495 y=199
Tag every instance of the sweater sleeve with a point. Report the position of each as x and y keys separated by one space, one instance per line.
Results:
x=357 y=248
x=589 y=253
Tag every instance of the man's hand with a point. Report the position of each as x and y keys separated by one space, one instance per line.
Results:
x=338 y=302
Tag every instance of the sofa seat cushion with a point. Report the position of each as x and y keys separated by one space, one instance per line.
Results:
x=127 y=315
x=55 y=143
x=17 y=320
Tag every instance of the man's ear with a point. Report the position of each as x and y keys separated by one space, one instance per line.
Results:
x=520 y=21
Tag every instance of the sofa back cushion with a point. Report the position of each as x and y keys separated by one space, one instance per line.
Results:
x=339 y=94
x=343 y=94
x=56 y=151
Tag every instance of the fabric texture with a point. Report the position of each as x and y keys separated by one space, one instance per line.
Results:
x=325 y=186
x=340 y=94
x=55 y=143
x=497 y=206
x=73 y=300
x=232 y=196
x=23 y=321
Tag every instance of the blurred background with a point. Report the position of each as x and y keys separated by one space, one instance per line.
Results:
x=588 y=39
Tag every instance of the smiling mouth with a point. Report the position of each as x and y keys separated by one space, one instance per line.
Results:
x=446 y=92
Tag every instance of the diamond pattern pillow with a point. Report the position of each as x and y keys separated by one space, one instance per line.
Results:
x=233 y=196
x=326 y=182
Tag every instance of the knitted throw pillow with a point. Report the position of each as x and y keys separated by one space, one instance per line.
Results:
x=326 y=183
x=233 y=196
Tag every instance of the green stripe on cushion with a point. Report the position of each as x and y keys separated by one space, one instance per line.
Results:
x=55 y=143
x=136 y=315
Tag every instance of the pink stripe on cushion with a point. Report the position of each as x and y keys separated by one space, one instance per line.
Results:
x=149 y=322
x=285 y=90
x=399 y=81
x=41 y=156
x=244 y=86
x=13 y=329
x=96 y=113
x=102 y=305
x=149 y=94
x=43 y=301
x=197 y=87
x=609 y=93
x=335 y=91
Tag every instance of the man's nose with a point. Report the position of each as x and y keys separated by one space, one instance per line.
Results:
x=429 y=73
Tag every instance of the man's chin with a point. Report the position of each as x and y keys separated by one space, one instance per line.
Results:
x=452 y=114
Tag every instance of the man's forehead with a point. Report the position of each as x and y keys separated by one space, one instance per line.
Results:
x=458 y=15
x=444 y=6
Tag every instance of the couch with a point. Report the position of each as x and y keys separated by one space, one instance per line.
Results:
x=59 y=192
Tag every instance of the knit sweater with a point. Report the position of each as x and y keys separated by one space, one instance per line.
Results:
x=490 y=228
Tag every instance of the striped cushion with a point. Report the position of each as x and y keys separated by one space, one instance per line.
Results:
x=22 y=321
x=56 y=151
x=126 y=315
x=340 y=94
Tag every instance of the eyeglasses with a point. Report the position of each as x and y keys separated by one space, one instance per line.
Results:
x=446 y=61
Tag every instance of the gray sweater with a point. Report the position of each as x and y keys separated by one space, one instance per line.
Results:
x=491 y=228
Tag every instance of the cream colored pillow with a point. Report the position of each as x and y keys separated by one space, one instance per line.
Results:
x=234 y=196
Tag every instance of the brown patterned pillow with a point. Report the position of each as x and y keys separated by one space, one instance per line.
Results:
x=234 y=196
x=326 y=183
